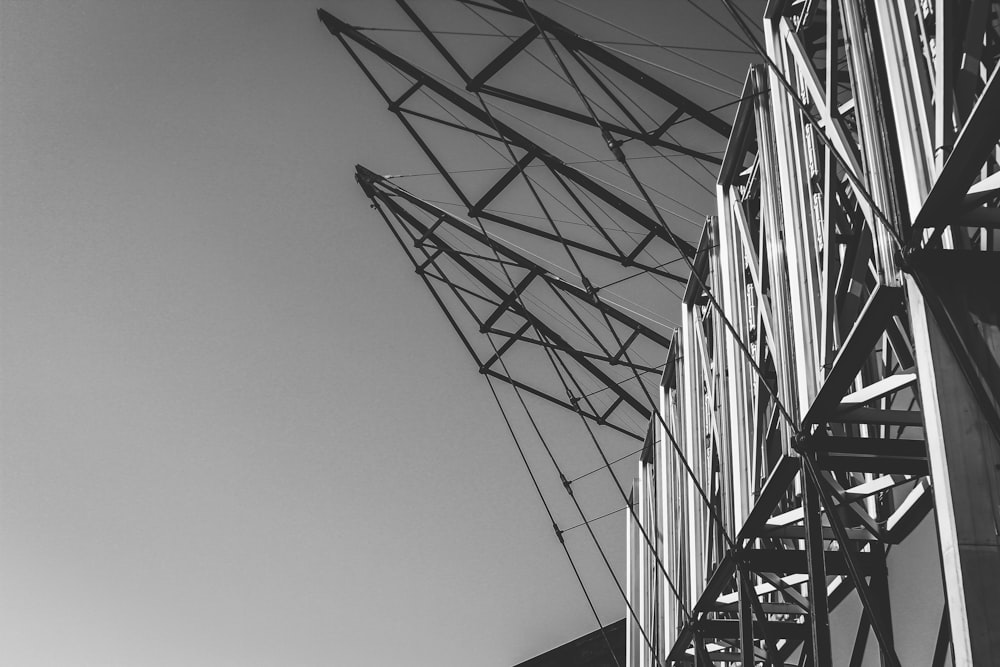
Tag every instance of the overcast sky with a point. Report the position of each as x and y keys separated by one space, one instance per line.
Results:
x=235 y=430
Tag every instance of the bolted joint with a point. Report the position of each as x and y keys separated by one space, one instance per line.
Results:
x=559 y=533
x=800 y=441
x=615 y=145
x=366 y=178
x=904 y=259
x=333 y=24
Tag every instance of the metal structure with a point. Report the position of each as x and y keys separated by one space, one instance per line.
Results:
x=835 y=379
x=857 y=263
x=608 y=348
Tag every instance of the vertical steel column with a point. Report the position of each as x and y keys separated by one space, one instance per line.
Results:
x=632 y=647
x=951 y=310
x=964 y=457
x=879 y=585
x=819 y=617
x=746 y=593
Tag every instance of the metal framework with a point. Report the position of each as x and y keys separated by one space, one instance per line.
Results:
x=471 y=115
x=599 y=254
x=835 y=378
x=857 y=238
x=470 y=275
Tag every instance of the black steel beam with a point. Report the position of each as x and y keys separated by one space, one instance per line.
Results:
x=345 y=31
x=574 y=42
x=857 y=347
x=868 y=601
x=817 y=565
x=772 y=492
x=730 y=629
x=508 y=301
x=977 y=140
x=505 y=57
x=391 y=191
x=796 y=561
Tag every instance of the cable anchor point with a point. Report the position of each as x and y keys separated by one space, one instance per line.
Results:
x=566 y=484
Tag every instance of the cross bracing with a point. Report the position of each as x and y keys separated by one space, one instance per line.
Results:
x=861 y=312
x=596 y=340
x=832 y=363
x=600 y=196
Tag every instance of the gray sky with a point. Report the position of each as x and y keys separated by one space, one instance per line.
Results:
x=235 y=429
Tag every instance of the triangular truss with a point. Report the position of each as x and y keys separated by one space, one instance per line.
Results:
x=843 y=238
x=606 y=246
x=609 y=356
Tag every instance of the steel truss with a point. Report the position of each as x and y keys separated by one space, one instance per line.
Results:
x=469 y=273
x=857 y=239
x=513 y=308
x=597 y=201
x=839 y=349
